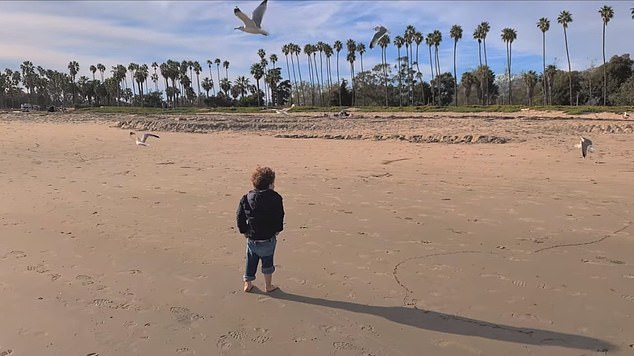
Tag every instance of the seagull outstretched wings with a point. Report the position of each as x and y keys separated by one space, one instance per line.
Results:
x=380 y=32
x=254 y=24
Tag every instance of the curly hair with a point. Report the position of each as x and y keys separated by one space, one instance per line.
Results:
x=262 y=177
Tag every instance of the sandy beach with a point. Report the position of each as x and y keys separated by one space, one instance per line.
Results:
x=405 y=234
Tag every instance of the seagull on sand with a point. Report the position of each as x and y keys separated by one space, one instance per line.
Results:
x=253 y=24
x=141 y=141
x=380 y=32
x=585 y=145
x=625 y=115
x=284 y=111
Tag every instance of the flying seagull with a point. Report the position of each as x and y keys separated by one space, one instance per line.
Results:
x=141 y=141
x=252 y=25
x=586 y=145
x=284 y=111
x=380 y=32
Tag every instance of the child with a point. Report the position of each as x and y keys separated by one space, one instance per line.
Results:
x=260 y=218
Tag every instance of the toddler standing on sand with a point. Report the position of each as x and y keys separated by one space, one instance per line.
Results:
x=260 y=218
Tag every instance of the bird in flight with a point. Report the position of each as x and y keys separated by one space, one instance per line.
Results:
x=380 y=32
x=253 y=24
x=141 y=141
x=586 y=145
x=284 y=111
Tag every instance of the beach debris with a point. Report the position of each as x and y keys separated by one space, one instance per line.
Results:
x=253 y=24
x=380 y=32
x=141 y=141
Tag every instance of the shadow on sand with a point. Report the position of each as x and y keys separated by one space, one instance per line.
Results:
x=453 y=324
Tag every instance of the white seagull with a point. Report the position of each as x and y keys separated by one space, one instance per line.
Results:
x=625 y=115
x=380 y=32
x=141 y=141
x=585 y=145
x=284 y=111
x=253 y=24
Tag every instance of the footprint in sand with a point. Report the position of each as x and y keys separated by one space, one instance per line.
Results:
x=84 y=279
x=16 y=254
x=6 y=352
x=184 y=315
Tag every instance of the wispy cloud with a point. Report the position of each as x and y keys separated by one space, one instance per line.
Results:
x=51 y=34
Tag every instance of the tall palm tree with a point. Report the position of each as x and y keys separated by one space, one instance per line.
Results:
x=361 y=50
x=262 y=55
x=418 y=39
x=607 y=13
x=225 y=65
x=314 y=51
x=217 y=62
x=320 y=48
x=544 y=25
x=73 y=68
x=485 y=28
x=211 y=77
x=308 y=51
x=285 y=51
x=429 y=41
x=564 y=19
x=291 y=51
x=257 y=71
x=351 y=57
x=132 y=67
x=328 y=52
x=93 y=69
x=437 y=39
x=273 y=58
x=384 y=42
x=197 y=70
x=102 y=69
x=155 y=66
x=398 y=42
x=508 y=36
x=456 y=34
x=297 y=50
x=338 y=46
x=408 y=36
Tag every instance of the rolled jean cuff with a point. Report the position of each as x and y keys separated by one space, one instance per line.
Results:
x=249 y=278
x=267 y=270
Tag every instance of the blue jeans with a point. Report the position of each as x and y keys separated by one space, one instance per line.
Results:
x=257 y=250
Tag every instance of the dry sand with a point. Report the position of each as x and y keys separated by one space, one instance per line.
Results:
x=389 y=248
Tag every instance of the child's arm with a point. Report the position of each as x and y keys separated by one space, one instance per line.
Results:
x=241 y=217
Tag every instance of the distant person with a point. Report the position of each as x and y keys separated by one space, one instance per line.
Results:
x=260 y=218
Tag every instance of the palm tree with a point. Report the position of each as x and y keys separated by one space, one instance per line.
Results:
x=132 y=67
x=197 y=70
x=361 y=50
x=262 y=55
x=418 y=38
x=285 y=51
x=308 y=50
x=73 y=68
x=484 y=30
x=217 y=63
x=398 y=42
x=408 y=38
x=437 y=38
x=93 y=69
x=314 y=50
x=351 y=57
x=429 y=41
x=155 y=66
x=328 y=52
x=297 y=50
x=257 y=71
x=468 y=80
x=225 y=65
x=456 y=34
x=530 y=80
x=211 y=80
x=544 y=25
x=607 y=14
x=320 y=48
x=338 y=46
x=384 y=42
x=564 y=19
x=207 y=85
x=102 y=69
x=273 y=58
x=508 y=36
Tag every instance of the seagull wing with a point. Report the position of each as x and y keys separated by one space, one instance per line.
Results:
x=585 y=145
x=377 y=36
x=258 y=13
x=146 y=135
x=247 y=21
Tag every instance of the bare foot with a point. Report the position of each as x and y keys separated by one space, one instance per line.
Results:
x=271 y=288
x=248 y=286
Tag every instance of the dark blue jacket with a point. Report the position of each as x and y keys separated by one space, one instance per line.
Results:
x=260 y=214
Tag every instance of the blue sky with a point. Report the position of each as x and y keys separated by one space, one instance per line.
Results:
x=52 y=33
